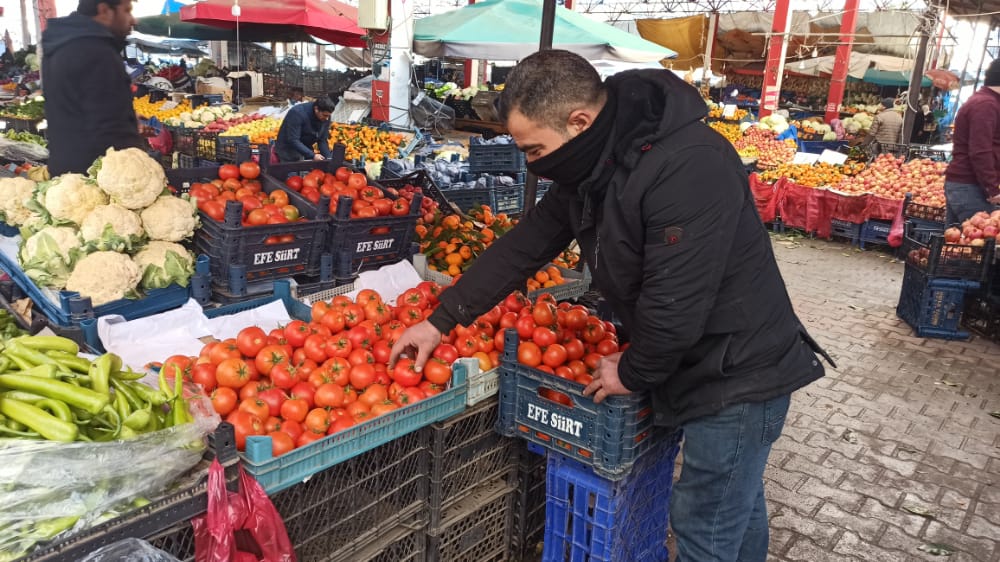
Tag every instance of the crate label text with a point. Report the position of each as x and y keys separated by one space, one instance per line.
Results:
x=276 y=256
x=554 y=420
x=374 y=245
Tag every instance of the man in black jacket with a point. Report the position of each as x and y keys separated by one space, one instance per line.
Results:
x=88 y=96
x=305 y=125
x=661 y=207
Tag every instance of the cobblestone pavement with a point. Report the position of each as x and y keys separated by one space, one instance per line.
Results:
x=894 y=451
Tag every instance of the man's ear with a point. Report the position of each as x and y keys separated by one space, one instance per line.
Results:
x=580 y=120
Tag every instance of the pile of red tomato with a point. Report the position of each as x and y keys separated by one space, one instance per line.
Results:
x=306 y=380
x=368 y=201
x=428 y=206
x=240 y=183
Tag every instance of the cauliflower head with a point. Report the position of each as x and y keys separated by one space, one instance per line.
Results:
x=14 y=196
x=164 y=263
x=105 y=277
x=69 y=198
x=112 y=227
x=130 y=177
x=47 y=257
x=170 y=218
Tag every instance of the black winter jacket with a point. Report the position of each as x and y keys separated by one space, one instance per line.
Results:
x=668 y=226
x=88 y=96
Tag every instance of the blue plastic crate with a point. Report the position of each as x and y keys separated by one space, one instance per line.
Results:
x=494 y=158
x=74 y=310
x=933 y=307
x=929 y=252
x=589 y=518
x=875 y=232
x=609 y=436
x=507 y=199
x=845 y=229
x=249 y=254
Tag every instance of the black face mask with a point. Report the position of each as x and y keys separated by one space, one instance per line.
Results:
x=573 y=162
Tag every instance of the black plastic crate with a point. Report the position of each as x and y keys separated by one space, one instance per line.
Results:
x=406 y=543
x=185 y=141
x=463 y=108
x=874 y=232
x=254 y=253
x=912 y=210
x=939 y=259
x=343 y=510
x=10 y=292
x=239 y=149
x=177 y=541
x=529 y=505
x=362 y=244
x=928 y=152
x=477 y=528
x=892 y=148
x=496 y=158
x=205 y=144
x=163 y=516
x=982 y=315
x=187 y=161
x=933 y=307
x=507 y=199
x=466 y=454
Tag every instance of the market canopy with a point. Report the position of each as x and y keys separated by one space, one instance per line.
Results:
x=328 y=20
x=160 y=45
x=509 y=30
x=172 y=26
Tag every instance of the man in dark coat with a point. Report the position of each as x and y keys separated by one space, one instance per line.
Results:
x=661 y=207
x=88 y=96
x=305 y=125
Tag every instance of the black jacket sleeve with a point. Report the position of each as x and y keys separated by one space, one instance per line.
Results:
x=106 y=95
x=293 y=135
x=690 y=220
x=505 y=266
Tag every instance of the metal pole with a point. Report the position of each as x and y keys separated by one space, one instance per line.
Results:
x=842 y=61
x=545 y=43
x=775 y=68
x=982 y=60
x=927 y=26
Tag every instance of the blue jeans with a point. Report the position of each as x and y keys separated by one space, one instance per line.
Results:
x=718 y=512
x=962 y=200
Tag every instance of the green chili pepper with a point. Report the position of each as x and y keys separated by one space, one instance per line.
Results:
x=164 y=387
x=5 y=364
x=147 y=394
x=128 y=375
x=123 y=390
x=82 y=398
x=48 y=343
x=16 y=351
x=139 y=419
x=52 y=527
x=56 y=408
x=29 y=397
x=41 y=371
x=100 y=374
x=126 y=432
x=36 y=419
x=22 y=364
x=70 y=361
x=6 y=431
x=121 y=405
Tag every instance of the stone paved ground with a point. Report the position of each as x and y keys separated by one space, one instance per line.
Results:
x=895 y=449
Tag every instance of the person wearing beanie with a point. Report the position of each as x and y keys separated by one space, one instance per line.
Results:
x=887 y=128
x=972 y=181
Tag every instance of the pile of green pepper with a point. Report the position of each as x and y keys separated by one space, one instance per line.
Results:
x=48 y=392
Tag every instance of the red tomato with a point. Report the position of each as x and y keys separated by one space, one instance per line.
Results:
x=250 y=170
x=339 y=346
x=340 y=370
x=330 y=395
x=281 y=442
x=607 y=346
x=357 y=181
x=525 y=327
x=593 y=330
x=544 y=337
x=178 y=363
x=446 y=352
x=314 y=348
x=544 y=314
x=362 y=375
x=574 y=349
x=404 y=373
x=308 y=436
x=229 y=171
x=295 y=409
x=529 y=354
x=400 y=207
x=360 y=337
x=334 y=320
x=317 y=420
x=466 y=345
x=353 y=315
x=296 y=333
x=437 y=371
x=554 y=356
x=292 y=428
x=591 y=360
x=303 y=390
x=203 y=374
x=575 y=319
x=283 y=376
x=409 y=395
x=515 y=301
x=430 y=389
x=274 y=398
x=224 y=400
x=270 y=356
x=359 y=357
x=257 y=407
x=245 y=425
x=251 y=340
x=381 y=351
x=232 y=373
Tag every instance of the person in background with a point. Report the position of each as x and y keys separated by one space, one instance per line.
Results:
x=887 y=128
x=972 y=181
x=929 y=125
x=295 y=96
x=662 y=210
x=88 y=95
x=305 y=125
x=917 y=134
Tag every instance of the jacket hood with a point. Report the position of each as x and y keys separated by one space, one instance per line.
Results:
x=651 y=105
x=61 y=31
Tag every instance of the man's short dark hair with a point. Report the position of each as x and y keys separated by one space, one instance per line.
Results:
x=89 y=7
x=546 y=86
x=324 y=103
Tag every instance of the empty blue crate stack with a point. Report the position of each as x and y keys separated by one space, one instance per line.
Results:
x=875 y=232
x=847 y=230
x=589 y=518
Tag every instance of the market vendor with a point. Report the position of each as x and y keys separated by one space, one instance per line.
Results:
x=305 y=125
x=662 y=210
x=972 y=181
x=887 y=128
x=88 y=95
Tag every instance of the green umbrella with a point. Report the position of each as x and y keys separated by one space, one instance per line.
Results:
x=891 y=78
x=172 y=26
x=509 y=30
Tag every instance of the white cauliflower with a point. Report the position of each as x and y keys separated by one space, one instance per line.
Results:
x=164 y=263
x=105 y=277
x=170 y=218
x=112 y=227
x=70 y=197
x=48 y=255
x=130 y=177
x=14 y=195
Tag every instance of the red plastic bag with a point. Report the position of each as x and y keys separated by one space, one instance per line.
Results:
x=897 y=229
x=239 y=526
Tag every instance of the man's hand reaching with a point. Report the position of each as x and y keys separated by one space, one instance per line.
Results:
x=417 y=342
